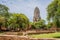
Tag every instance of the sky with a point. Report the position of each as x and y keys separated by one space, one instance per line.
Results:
x=27 y=7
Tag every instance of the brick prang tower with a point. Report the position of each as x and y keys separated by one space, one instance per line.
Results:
x=36 y=16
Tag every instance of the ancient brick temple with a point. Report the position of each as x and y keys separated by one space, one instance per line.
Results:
x=36 y=15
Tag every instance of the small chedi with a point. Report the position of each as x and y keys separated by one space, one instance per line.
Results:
x=36 y=16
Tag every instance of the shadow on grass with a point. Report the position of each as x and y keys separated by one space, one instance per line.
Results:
x=1 y=31
x=57 y=37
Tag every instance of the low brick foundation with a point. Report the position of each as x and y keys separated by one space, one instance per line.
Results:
x=15 y=37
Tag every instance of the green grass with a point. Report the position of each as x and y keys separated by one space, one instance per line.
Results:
x=50 y=35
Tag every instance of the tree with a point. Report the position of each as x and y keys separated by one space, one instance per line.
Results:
x=1 y=21
x=49 y=25
x=18 y=21
x=31 y=25
x=40 y=24
x=4 y=12
x=54 y=12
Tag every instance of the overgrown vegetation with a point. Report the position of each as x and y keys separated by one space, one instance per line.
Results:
x=19 y=21
x=12 y=21
x=54 y=12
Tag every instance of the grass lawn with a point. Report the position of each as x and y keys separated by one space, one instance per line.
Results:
x=50 y=35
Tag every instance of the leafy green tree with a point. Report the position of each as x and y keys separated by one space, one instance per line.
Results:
x=40 y=24
x=1 y=21
x=49 y=25
x=18 y=21
x=31 y=25
x=54 y=12
x=4 y=12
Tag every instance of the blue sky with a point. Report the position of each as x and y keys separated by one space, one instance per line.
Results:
x=27 y=7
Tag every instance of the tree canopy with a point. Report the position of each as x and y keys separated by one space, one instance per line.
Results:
x=54 y=12
x=18 y=21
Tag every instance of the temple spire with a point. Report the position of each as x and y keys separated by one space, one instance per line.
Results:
x=36 y=15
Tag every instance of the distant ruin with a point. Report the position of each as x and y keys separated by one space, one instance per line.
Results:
x=36 y=16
